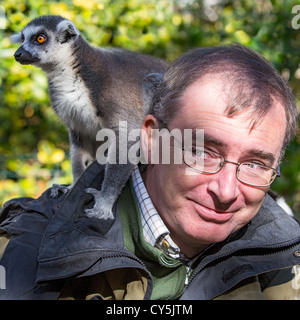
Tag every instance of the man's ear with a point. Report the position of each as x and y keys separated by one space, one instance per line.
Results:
x=147 y=139
x=66 y=31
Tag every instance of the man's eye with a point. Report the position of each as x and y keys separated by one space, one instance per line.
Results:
x=198 y=152
x=255 y=164
x=202 y=152
x=41 y=38
x=208 y=154
x=258 y=167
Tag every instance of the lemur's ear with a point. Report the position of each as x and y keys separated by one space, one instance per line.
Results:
x=150 y=83
x=66 y=31
x=16 y=38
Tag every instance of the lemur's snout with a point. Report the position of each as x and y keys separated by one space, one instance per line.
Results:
x=25 y=57
x=18 y=55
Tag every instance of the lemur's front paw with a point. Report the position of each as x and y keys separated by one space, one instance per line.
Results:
x=102 y=208
x=57 y=189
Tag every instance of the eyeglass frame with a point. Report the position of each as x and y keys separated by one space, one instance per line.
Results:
x=238 y=164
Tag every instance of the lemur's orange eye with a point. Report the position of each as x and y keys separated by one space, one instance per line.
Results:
x=40 y=38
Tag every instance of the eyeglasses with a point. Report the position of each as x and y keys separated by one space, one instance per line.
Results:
x=250 y=173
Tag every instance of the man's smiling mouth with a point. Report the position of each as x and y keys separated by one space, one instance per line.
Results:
x=213 y=215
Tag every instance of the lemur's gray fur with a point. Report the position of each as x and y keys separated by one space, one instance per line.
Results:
x=90 y=89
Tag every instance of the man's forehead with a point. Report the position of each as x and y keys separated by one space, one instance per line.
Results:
x=228 y=97
x=204 y=107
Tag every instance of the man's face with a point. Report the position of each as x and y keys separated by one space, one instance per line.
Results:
x=203 y=209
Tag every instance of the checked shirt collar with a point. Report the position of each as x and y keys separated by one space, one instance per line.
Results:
x=155 y=231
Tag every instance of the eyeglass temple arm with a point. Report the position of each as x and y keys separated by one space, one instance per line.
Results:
x=278 y=171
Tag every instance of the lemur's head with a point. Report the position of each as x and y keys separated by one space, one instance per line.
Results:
x=44 y=40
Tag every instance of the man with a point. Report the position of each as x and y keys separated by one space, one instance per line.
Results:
x=195 y=230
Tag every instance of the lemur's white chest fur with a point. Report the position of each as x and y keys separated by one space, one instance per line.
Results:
x=70 y=97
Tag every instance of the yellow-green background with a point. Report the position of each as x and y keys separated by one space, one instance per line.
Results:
x=33 y=142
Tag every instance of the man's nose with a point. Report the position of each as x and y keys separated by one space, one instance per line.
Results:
x=224 y=184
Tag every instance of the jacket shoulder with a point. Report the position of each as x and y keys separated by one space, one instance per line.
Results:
x=28 y=214
x=283 y=284
x=23 y=222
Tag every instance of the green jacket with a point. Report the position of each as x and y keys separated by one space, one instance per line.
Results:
x=50 y=250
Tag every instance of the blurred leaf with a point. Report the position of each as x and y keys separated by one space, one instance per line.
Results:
x=48 y=154
x=164 y=28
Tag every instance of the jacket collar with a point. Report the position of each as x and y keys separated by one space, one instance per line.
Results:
x=268 y=242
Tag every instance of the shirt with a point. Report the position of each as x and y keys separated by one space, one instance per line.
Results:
x=154 y=230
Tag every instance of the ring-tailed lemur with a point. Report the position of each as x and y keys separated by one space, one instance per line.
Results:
x=90 y=89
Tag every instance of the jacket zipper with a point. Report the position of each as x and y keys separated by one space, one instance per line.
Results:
x=125 y=255
x=230 y=253
x=134 y=258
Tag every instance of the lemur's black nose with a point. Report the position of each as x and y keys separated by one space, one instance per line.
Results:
x=25 y=57
x=18 y=55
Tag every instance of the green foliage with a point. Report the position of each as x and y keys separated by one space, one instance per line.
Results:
x=164 y=28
